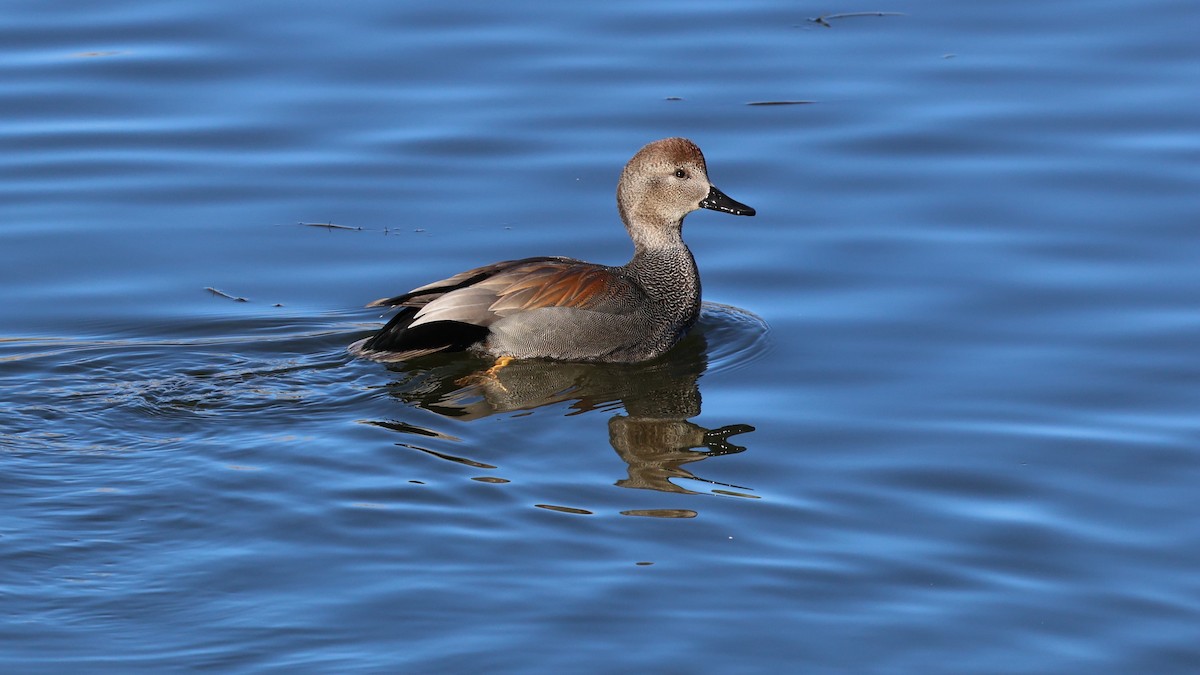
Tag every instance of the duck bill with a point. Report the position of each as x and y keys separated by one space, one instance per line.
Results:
x=719 y=201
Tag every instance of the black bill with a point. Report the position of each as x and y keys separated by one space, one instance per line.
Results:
x=718 y=201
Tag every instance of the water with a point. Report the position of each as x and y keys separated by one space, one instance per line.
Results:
x=939 y=415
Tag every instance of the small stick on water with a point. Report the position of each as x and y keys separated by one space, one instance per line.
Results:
x=222 y=294
x=824 y=20
x=332 y=226
x=780 y=102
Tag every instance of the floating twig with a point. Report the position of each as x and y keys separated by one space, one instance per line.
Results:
x=332 y=226
x=222 y=294
x=405 y=427
x=780 y=102
x=826 y=18
x=97 y=54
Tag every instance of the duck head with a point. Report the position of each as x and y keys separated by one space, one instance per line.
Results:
x=662 y=183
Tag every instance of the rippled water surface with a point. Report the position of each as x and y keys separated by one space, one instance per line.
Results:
x=939 y=415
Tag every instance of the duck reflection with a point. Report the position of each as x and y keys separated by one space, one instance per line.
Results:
x=653 y=437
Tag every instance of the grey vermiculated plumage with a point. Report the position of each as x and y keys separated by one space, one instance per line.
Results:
x=566 y=309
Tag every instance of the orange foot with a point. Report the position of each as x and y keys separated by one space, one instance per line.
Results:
x=487 y=375
x=500 y=363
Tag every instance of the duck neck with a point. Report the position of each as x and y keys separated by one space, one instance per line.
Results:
x=667 y=271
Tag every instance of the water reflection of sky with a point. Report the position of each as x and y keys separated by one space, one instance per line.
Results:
x=974 y=421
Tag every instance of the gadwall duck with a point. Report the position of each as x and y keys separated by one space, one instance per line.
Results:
x=571 y=310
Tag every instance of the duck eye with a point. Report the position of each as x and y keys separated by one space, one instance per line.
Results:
x=680 y=173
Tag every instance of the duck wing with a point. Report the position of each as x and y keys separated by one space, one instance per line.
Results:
x=423 y=295
x=454 y=314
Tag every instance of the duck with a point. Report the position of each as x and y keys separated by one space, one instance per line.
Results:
x=563 y=309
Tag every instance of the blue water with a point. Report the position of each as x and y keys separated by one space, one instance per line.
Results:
x=940 y=414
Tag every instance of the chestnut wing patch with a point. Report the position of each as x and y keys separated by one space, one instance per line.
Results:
x=578 y=285
x=423 y=295
x=482 y=297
